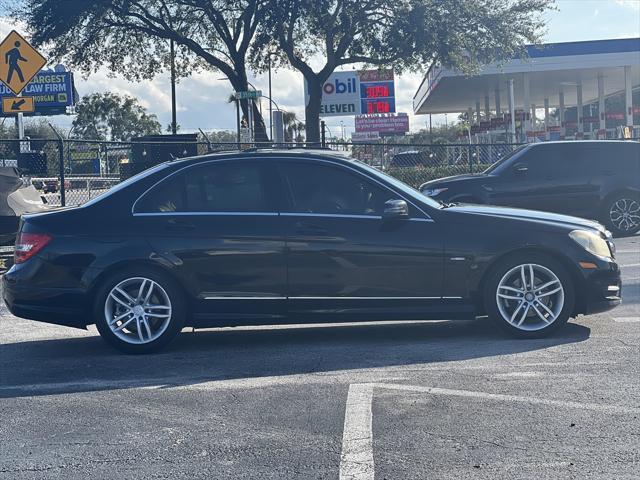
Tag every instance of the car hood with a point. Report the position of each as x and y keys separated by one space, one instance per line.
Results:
x=530 y=215
x=468 y=177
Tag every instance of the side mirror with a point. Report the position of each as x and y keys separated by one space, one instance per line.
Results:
x=520 y=168
x=395 y=210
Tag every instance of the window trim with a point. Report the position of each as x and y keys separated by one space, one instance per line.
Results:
x=186 y=167
x=276 y=161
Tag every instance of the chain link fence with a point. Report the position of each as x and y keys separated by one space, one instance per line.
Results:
x=415 y=164
x=71 y=172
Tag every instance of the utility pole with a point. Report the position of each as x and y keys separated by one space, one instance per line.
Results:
x=174 y=124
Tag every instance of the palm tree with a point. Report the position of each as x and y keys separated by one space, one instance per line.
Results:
x=293 y=128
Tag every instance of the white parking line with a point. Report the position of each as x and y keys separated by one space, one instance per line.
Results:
x=356 y=460
x=630 y=265
x=627 y=319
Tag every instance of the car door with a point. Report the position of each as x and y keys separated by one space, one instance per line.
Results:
x=344 y=258
x=217 y=225
x=549 y=177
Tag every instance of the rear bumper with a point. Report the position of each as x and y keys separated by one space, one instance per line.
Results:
x=60 y=306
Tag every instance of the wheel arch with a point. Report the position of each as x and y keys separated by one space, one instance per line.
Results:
x=572 y=269
x=619 y=191
x=99 y=279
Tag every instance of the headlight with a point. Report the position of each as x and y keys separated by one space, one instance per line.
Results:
x=591 y=242
x=434 y=192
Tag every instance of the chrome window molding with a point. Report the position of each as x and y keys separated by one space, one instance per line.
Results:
x=269 y=214
x=330 y=215
x=227 y=214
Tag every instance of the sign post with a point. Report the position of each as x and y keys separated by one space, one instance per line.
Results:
x=19 y=63
x=249 y=96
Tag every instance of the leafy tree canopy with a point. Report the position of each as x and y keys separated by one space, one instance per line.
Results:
x=108 y=116
x=132 y=37
x=403 y=34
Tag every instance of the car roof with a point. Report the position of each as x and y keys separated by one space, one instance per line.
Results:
x=585 y=142
x=265 y=152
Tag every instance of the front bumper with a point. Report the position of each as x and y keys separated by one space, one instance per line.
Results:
x=603 y=289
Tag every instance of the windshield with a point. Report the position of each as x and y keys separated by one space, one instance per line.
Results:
x=403 y=187
x=504 y=159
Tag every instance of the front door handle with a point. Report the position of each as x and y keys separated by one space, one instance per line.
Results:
x=310 y=230
x=176 y=225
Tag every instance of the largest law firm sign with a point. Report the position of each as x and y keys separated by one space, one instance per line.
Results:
x=357 y=92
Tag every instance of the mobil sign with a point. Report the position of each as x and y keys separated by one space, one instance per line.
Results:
x=340 y=95
x=357 y=92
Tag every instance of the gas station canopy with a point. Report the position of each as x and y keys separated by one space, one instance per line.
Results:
x=554 y=74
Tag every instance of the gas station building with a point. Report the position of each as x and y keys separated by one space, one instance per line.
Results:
x=505 y=101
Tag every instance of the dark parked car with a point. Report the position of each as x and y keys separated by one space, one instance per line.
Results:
x=590 y=179
x=272 y=237
x=410 y=159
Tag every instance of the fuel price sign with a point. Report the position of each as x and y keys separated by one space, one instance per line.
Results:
x=377 y=92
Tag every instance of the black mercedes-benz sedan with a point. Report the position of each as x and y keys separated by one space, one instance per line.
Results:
x=273 y=237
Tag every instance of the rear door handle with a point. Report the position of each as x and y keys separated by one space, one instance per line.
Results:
x=180 y=225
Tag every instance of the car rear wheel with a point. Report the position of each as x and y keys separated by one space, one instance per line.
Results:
x=139 y=310
x=622 y=214
x=529 y=296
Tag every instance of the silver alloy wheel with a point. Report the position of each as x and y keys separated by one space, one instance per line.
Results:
x=625 y=214
x=530 y=297
x=137 y=310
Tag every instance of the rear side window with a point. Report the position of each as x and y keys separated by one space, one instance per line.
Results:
x=553 y=161
x=614 y=157
x=216 y=187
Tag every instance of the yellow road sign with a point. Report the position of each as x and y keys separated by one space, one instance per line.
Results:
x=19 y=62
x=18 y=105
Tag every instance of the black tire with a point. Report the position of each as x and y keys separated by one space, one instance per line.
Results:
x=500 y=270
x=175 y=322
x=621 y=229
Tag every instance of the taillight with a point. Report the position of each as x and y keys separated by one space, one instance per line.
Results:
x=28 y=244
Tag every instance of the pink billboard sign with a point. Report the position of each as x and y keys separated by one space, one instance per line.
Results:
x=389 y=124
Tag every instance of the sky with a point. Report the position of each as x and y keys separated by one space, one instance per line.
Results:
x=202 y=98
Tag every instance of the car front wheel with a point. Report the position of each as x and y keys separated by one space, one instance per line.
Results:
x=529 y=296
x=139 y=311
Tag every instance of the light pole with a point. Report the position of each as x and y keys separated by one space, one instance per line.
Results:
x=270 y=106
x=174 y=124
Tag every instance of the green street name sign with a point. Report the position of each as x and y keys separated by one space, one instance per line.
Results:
x=249 y=95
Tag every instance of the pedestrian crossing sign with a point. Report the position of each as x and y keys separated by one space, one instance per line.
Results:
x=19 y=62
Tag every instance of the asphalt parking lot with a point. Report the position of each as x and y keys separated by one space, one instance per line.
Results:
x=412 y=400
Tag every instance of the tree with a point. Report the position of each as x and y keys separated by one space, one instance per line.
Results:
x=293 y=128
x=402 y=34
x=108 y=116
x=132 y=37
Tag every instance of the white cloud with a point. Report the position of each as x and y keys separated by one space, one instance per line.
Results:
x=633 y=4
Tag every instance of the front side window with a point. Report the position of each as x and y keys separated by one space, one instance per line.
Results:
x=326 y=189
x=215 y=187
